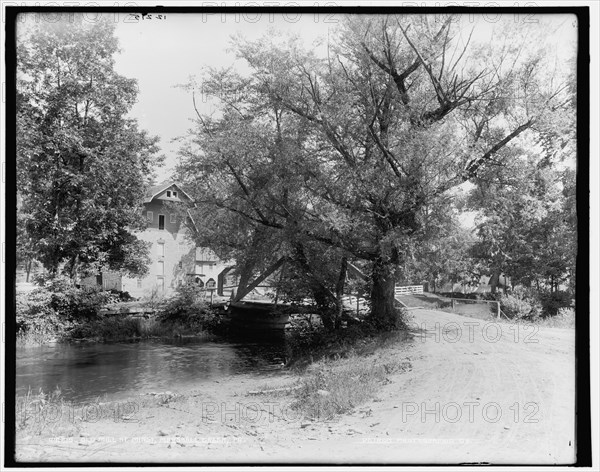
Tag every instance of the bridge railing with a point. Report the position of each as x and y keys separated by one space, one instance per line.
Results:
x=406 y=289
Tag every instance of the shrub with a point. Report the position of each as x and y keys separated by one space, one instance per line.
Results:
x=75 y=303
x=553 y=302
x=521 y=305
x=112 y=328
x=55 y=308
x=189 y=306
x=35 y=316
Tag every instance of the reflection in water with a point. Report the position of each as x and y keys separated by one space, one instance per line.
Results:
x=85 y=372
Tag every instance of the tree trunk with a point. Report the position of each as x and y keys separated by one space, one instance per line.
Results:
x=494 y=279
x=323 y=300
x=28 y=269
x=339 y=291
x=383 y=295
x=73 y=270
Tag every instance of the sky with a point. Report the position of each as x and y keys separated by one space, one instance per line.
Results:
x=162 y=54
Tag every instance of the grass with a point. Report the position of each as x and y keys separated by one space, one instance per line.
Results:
x=49 y=415
x=339 y=371
x=45 y=414
x=334 y=387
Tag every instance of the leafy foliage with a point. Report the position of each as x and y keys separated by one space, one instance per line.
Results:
x=357 y=149
x=527 y=226
x=189 y=306
x=55 y=308
x=82 y=165
x=520 y=306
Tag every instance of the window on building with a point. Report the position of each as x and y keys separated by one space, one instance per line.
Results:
x=168 y=193
x=139 y=283
x=150 y=216
x=161 y=249
x=174 y=194
x=161 y=221
x=173 y=218
x=161 y=268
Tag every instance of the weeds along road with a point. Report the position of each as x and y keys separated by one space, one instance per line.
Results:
x=476 y=392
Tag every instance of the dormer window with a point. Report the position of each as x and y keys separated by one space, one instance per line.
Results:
x=169 y=193
x=174 y=194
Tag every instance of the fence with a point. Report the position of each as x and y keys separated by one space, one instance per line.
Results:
x=405 y=289
x=361 y=305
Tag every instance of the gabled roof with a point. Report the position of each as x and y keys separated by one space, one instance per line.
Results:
x=156 y=190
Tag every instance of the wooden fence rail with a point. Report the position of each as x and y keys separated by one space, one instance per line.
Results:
x=404 y=289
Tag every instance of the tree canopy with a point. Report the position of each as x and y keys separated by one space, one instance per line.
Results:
x=357 y=149
x=82 y=163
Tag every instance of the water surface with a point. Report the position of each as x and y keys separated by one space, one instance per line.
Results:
x=84 y=372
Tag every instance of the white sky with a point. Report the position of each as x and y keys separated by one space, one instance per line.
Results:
x=161 y=54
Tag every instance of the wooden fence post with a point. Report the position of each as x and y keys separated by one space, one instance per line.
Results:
x=498 y=309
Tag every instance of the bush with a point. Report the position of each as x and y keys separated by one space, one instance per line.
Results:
x=55 y=308
x=521 y=304
x=188 y=306
x=35 y=316
x=107 y=328
x=514 y=307
x=553 y=302
x=75 y=303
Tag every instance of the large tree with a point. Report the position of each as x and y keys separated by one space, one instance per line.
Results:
x=82 y=163
x=398 y=113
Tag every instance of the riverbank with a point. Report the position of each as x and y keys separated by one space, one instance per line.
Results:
x=105 y=329
x=459 y=396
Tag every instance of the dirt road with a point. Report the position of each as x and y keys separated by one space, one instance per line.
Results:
x=477 y=392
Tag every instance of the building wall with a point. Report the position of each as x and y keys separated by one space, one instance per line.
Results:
x=174 y=258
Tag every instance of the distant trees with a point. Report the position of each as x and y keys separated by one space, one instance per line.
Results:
x=82 y=165
x=527 y=228
x=352 y=150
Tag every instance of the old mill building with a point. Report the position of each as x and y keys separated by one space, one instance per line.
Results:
x=175 y=259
